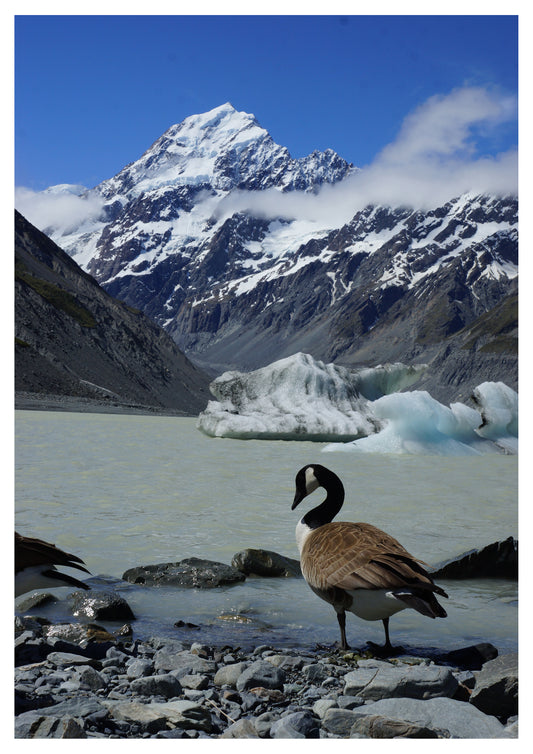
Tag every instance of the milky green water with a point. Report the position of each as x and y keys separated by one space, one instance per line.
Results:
x=122 y=491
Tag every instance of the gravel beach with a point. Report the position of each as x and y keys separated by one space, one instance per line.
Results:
x=74 y=681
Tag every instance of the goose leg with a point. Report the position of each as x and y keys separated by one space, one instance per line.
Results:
x=388 y=646
x=341 y=617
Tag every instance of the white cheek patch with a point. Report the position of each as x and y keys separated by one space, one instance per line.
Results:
x=311 y=482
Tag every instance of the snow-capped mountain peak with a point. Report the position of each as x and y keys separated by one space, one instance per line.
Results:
x=203 y=233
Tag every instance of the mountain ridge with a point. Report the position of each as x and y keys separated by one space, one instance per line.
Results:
x=73 y=340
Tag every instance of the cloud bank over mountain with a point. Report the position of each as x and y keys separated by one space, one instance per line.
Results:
x=434 y=158
x=437 y=155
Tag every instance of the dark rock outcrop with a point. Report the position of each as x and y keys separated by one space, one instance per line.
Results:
x=497 y=560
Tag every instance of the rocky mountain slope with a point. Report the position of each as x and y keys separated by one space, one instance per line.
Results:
x=206 y=235
x=73 y=339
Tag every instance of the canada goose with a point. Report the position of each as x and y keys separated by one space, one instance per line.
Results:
x=357 y=567
x=35 y=566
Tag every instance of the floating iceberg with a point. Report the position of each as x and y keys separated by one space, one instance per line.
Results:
x=361 y=410
x=416 y=423
x=299 y=398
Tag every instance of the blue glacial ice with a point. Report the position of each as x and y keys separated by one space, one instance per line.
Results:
x=358 y=410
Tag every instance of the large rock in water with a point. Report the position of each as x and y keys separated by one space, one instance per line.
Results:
x=498 y=560
x=265 y=563
x=100 y=606
x=189 y=573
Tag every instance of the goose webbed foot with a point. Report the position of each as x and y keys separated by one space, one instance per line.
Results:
x=385 y=650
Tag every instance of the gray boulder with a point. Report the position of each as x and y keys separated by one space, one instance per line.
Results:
x=339 y=722
x=265 y=563
x=496 y=688
x=189 y=573
x=47 y=726
x=296 y=725
x=413 y=681
x=446 y=718
x=156 y=716
x=261 y=673
x=165 y=685
x=228 y=675
x=181 y=663
x=244 y=728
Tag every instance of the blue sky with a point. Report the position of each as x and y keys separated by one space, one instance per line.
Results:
x=92 y=93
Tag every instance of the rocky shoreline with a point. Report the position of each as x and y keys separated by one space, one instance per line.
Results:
x=25 y=401
x=82 y=682
x=77 y=680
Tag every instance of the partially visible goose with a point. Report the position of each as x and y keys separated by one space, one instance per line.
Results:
x=357 y=567
x=35 y=566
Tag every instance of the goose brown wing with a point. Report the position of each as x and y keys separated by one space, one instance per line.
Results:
x=359 y=556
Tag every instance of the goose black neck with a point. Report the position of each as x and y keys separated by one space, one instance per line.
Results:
x=328 y=509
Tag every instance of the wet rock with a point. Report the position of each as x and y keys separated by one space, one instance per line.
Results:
x=100 y=606
x=496 y=688
x=497 y=560
x=265 y=563
x=413 y=681
x=446 y=718
x=191 y=573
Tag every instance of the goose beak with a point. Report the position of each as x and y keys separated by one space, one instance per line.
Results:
x=298 y=497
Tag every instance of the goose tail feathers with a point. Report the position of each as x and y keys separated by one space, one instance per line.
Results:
x=423 y=602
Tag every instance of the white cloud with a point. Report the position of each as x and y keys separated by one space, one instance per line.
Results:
x=57 y=207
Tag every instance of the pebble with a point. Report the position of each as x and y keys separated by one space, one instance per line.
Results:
x=163 y=688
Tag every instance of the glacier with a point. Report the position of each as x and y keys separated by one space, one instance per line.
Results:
x=358 y=410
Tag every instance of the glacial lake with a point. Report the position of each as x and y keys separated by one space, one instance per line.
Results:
x=122 y=491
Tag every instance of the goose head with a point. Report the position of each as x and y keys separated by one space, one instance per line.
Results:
x=308 y=479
